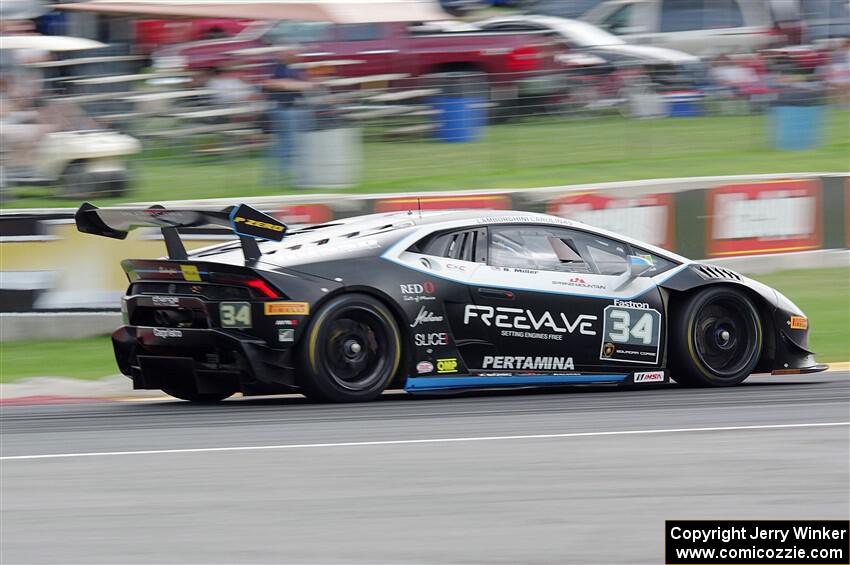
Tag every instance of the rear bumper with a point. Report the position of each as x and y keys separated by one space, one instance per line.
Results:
x=206 y=360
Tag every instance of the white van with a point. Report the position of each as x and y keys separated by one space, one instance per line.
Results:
x=701 y=27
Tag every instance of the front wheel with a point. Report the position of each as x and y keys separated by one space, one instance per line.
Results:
x=715 y=338
x=351 y=351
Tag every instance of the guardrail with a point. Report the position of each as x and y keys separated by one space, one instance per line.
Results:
x=47 y=266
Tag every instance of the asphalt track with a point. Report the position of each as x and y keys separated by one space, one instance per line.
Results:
x=583 y=475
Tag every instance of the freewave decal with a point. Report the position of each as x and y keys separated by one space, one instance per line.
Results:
x=523 y=363
x=425 y=317
x=631 y=333
x=515 y=322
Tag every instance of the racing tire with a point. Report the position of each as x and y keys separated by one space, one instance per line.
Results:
x=194 y=396
x=350 y=352
x=715 y=339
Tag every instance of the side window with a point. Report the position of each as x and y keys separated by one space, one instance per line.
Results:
x=619 y=20
x=554 y=249
x=465 y=245
x=686 y=15
x=360 y=32
x=293 y=31
x=659 y=264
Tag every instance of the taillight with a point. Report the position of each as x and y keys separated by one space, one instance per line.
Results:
x=260 y=286
x=523 y=59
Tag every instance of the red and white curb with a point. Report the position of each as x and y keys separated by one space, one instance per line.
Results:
x=55 y=390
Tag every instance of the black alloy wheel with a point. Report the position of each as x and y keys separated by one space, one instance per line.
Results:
x=716 y=340
x=351 y=351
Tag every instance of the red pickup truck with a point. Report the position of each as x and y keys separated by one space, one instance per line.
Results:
x=517 y=64
x=150 y=35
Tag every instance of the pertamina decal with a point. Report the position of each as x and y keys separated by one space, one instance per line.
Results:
x=286 y=309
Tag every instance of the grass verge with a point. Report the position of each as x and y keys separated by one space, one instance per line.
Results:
x=823 y=294
x=539 y=151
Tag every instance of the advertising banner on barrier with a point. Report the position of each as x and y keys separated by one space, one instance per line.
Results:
x=648 y=217
x=764 y=217
x=447 y=202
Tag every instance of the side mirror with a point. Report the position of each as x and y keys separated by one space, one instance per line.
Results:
x=635 y=267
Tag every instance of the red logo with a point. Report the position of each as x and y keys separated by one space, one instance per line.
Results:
x=577 y=280
x=429 y=287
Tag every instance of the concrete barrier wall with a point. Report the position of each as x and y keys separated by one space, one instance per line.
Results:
x=782 y=220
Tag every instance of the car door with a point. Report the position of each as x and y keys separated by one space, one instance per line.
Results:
x=553 y=299
x=372 y=45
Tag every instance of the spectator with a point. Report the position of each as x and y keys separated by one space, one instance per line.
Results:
x=836 y=75
x=289 y=116
x=229 y=88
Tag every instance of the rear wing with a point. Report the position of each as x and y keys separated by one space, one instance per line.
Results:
x=246 y=222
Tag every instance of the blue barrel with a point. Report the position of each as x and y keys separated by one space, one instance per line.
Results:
x=796 y=128
x=684 y=104
x=460 y=118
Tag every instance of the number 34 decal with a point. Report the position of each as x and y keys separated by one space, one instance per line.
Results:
x=631 y=335
x=623 y=331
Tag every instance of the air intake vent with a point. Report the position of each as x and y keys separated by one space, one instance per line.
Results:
x=715 y=272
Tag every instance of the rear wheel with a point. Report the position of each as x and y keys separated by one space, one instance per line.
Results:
x=192 y=395
x=351 y=351
x=716 y=339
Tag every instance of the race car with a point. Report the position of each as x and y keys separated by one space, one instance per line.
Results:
x=433 y=301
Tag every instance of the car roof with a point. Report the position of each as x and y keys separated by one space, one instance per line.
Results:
x=415 y=224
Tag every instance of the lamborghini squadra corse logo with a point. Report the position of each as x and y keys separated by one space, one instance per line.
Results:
x=608 y=350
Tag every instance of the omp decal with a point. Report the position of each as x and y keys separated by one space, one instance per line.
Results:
x=286 y=308
x=190 y=273
x=447 y=365
x=799 y=323
x=442 y=383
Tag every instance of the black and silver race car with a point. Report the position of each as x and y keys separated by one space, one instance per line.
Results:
x=433 y=301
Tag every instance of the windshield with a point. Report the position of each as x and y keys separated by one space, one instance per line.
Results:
x=586 y=35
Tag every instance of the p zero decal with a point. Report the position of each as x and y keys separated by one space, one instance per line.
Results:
x=248 y=222
x=768 y=217
x=648 y=217
x=631 y=334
